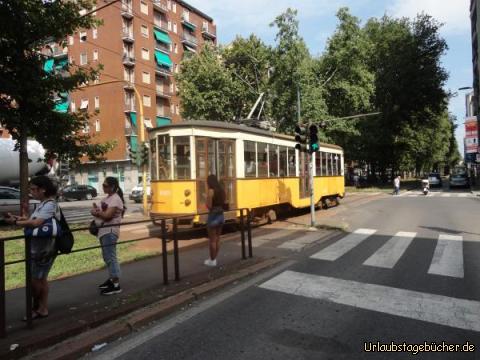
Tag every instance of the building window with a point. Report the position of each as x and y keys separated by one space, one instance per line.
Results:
x=83 y=36
x=147 y=123
x=175 y=68
x=186 y=15
x=146 y=77
x=97 y=79
x=145 y=54
x=72 y=106
x=83 y=59
x=95 y=55
x=171 y=88
x=172 y=108
x=169 y=4
x=97 y=102
x=86 y=129
x=176 y=48
x=175 y=27
x=144 y=7
x=144 y=31
x=70 y=40
x=97 y=125
x=169 y=26
x=147 y=101
x=95 y=33
x=174 y=7
x=84 y=104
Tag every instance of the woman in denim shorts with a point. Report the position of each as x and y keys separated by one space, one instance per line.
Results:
x=43 y=249
x=215 y=202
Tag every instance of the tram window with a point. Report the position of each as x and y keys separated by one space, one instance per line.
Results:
x=181 y=157
x=283 y=161
x=291 y=162
x=273 y=160
x=334 y=164
x=318 y=163
x=153 y=159
x=164 y=157
x=329 y=164
x=262 y=159
x=249 y=159
x=324 y=163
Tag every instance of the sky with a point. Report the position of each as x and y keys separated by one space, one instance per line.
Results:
x=317 y=22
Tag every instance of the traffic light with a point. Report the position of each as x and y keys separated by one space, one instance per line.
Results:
x=144 y=154
x=313 y=143
x=132 y=154
x=301 y=138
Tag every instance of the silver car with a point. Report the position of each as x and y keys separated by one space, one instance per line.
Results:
x=459 y=180
x=10 y=201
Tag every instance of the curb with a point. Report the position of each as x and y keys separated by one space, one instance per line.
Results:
x=75 y=347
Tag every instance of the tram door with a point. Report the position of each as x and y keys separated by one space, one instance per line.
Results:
x=216 y=157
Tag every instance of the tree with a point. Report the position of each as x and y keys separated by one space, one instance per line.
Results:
x=28 y=92
x=206 y=87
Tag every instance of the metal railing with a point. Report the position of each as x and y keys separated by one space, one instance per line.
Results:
x=186 y=37
x=245 y=222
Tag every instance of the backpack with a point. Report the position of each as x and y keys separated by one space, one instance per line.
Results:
x=64 y=239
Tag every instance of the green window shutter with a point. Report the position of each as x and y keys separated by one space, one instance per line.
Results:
x=48 y=65
x=62 y=106
x=162 y=37
x=163 y=59
x=133 y=143
x=133 y=118
x=162 y=121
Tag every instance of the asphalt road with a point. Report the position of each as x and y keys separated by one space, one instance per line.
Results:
x=406 y=272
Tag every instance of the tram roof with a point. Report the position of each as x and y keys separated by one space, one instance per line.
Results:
x=233 y=127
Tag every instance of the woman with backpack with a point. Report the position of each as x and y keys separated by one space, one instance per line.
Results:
x=215 y=202
x=110 y=212
x=43 y=248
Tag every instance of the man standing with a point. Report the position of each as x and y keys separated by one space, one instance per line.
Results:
x=396 y=185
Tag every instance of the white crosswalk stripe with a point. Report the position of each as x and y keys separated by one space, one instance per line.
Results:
x=344 y=245
x=388 y=255
x=412 y=194
x=448 y=257
x=432 y=308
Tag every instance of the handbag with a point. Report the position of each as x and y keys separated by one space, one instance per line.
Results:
x=49 y=229
x=93 y=228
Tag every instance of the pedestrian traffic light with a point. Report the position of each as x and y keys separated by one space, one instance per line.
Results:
x=301 y=138
x=132 y=154
x=314 y=146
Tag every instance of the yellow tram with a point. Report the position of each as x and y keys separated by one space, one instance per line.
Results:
x=260 y=170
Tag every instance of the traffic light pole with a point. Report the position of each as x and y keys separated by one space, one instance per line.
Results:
x=141 y=131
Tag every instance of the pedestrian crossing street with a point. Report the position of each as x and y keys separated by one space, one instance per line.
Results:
x=438 y=194
x=447 y=262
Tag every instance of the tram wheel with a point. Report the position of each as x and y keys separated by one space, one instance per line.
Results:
x=271 y=216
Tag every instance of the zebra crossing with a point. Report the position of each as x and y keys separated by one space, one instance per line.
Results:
x=447 y=259
x=438 y=194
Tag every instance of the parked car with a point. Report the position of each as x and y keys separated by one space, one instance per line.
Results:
x=77 y=192
x=434 y=179
x=137 y=193
x=459 y=180
x=10 y=201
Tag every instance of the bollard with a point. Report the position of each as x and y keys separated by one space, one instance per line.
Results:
x=164 y=252
x=3 y=331
x=249 y=233
x=28 y=281
x=175 y=251
x=242 y=234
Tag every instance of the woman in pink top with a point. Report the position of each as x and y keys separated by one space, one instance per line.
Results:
x=110 y=212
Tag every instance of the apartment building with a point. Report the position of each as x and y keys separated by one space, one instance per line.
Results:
x=141 y=45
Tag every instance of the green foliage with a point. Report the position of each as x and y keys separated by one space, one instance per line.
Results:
x=28 y=92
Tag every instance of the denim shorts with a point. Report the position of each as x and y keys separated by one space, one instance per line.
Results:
x=215 y=219
x=41 y=267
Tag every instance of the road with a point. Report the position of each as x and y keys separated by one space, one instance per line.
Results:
x=79 y=211
x=406 y=272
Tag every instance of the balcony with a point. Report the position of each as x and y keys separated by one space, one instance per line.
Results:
x=58 y=52
x=127 y=11
x=207 y=33
x=163 y=91
x=129 y=131
x=130 y=108
x=186 y=22
x=160 y=5
x=129 y=85
x=162 y=47
x=189 y=40
x=161 y=24
x=127 y=36
x=128 y=60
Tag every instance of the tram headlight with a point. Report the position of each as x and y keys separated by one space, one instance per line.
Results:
x=187 y=192
x=187 y=202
